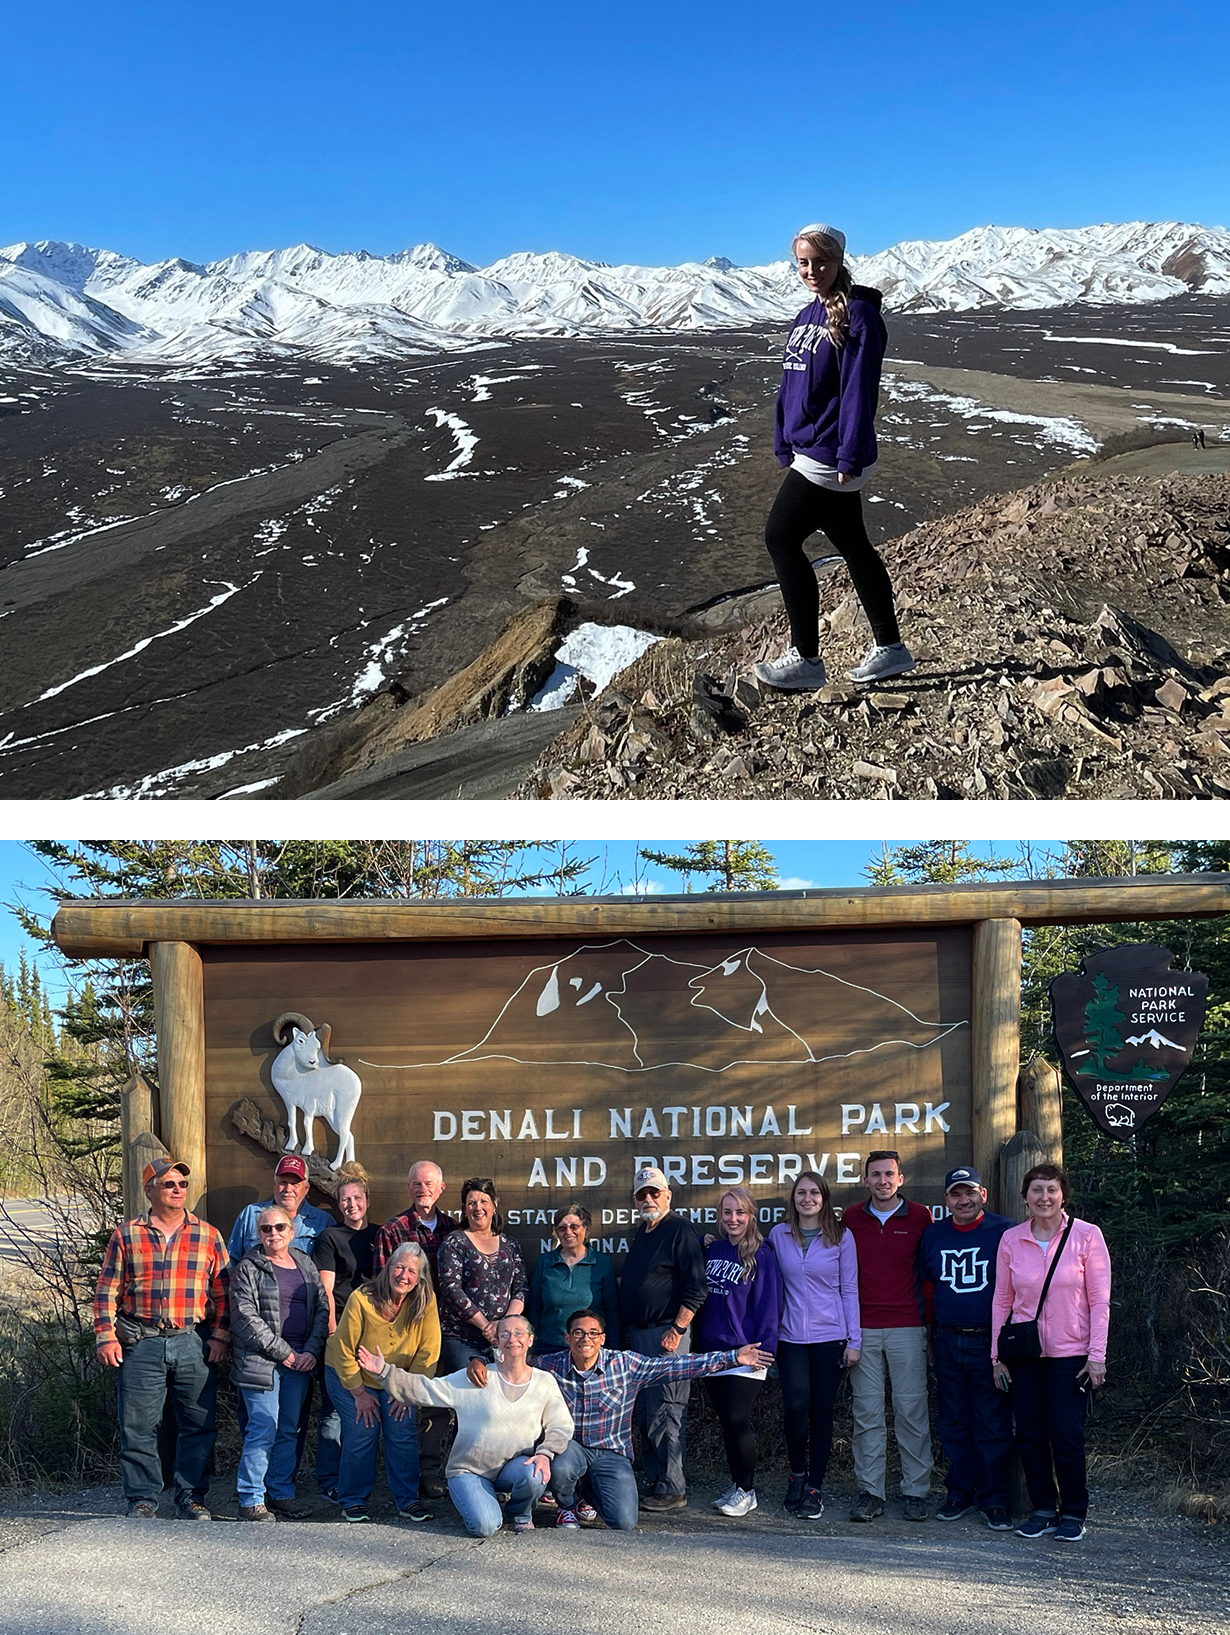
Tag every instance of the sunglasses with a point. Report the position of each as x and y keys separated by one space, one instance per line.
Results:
x=277 y=1228
x=173 y=1186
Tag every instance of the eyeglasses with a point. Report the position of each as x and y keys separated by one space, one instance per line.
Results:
x=585 y=1333
x=173 y=1186
x=569 y=1226
x=277 y=1227
x=649 y=1192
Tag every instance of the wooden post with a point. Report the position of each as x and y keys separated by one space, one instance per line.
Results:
x=179 y=1016
x=1017 y=1157
x=136 y=1120
x=1040 y=1106
x=995 y=1043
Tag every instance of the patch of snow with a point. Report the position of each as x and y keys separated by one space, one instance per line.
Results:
x=596 y=651
x=464 y=440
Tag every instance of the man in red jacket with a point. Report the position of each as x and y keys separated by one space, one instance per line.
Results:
x=887 y=1232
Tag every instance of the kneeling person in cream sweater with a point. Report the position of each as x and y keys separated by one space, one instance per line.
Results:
x=508 y=1431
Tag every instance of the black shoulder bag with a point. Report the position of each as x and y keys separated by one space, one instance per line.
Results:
x=1022 y=1342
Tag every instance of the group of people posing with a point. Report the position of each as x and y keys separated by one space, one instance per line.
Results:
x=429 y=1321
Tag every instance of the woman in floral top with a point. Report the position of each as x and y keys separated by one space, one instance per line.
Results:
x=482 y=1278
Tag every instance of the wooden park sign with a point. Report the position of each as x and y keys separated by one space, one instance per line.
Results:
x=1125 y=1027
x=554 y=1045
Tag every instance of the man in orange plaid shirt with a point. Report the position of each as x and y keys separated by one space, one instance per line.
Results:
x=164 y=1277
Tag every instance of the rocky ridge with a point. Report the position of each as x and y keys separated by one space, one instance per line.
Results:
x=1073 y=641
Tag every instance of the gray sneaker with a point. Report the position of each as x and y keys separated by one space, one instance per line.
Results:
x=792 y=673
x=879 y=663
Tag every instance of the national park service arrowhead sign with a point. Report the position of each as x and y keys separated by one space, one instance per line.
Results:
x=1126 y=1027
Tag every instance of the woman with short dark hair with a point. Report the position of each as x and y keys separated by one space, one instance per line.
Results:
x=1054 y=1269
x=482 y=1277
x=571 y=1277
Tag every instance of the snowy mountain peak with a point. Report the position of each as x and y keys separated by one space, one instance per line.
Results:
x=63 y=300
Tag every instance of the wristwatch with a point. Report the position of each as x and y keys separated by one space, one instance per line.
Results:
x=678 y=1330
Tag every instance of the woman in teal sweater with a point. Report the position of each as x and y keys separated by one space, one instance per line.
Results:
x=571 y=1278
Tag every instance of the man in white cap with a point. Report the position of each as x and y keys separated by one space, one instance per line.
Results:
x=661 y=1290
x=161 y=1318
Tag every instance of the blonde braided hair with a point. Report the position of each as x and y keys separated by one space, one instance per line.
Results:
x=837 y=301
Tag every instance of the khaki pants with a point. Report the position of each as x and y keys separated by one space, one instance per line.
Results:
x=901 y=1354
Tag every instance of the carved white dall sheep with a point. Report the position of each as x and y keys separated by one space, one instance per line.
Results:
x=309 y=1083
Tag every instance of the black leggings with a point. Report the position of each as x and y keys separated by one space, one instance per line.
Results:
x=800 y=510
x=810 y=1375
x=733 y=1397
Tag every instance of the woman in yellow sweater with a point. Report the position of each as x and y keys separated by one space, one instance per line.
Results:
x=395 y=1313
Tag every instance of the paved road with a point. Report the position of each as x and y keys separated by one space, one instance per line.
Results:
x=70 y=1572
x=25 y=1224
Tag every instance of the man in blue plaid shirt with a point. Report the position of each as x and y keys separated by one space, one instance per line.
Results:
x=599 y=1389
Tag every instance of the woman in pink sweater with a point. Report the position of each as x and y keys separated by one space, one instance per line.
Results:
x=1050 y=1394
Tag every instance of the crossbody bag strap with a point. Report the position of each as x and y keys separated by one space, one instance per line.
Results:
x=1053 y=1266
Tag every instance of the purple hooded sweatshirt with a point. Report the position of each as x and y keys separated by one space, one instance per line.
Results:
x=826 y=404
x=736 y=1313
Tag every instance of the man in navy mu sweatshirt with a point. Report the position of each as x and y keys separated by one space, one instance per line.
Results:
x=887 y=1231
x=975 y=1420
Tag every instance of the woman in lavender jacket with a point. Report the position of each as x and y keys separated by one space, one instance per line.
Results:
x=741 y=1308
x=819 y=1335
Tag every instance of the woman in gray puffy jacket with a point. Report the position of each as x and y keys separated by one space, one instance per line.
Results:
x=279 y=1323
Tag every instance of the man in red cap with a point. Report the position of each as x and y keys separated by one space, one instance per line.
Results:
x=163 y=1279
x=290 y=1189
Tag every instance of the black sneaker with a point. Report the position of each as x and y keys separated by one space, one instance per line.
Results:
x=1038 y=1525
x=431 y=1487
x=416 y=1510
x=866 y=1507
x=1070 y=1529
x=356 y=1512
x=999 y=1521
x=914 y=1508
x=811 y=1506
x=953 y=1510
x=794 y=1494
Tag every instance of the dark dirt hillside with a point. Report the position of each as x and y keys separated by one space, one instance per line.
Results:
x=1073 y=641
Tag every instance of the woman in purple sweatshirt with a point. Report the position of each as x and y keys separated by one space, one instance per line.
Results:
x=741 y=1308
x=826 y=436
x=819 y=1335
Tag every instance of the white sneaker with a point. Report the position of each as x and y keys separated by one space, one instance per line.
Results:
x=725 y=1498
x=739 y=1503
x=792 y=673
x=879 y=663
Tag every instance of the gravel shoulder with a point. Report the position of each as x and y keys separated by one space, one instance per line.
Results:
x=72 y=1566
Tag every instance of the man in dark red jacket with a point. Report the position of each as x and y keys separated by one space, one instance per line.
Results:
x=887 y=1232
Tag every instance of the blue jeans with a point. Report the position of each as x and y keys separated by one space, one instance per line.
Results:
x=152 y=1370
x=357 y=1475
x=267 y=1463
x=475 y=1497
x=455 y=1353
x=974 y=1420
x=328 y=1447
x=607 y=1475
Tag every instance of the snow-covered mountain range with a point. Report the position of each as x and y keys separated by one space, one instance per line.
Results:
x=61 y=303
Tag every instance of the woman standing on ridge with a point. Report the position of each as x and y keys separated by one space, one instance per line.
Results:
x=825 y=434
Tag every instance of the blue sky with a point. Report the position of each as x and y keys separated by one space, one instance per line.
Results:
x=801 y=863
x=652 y=132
